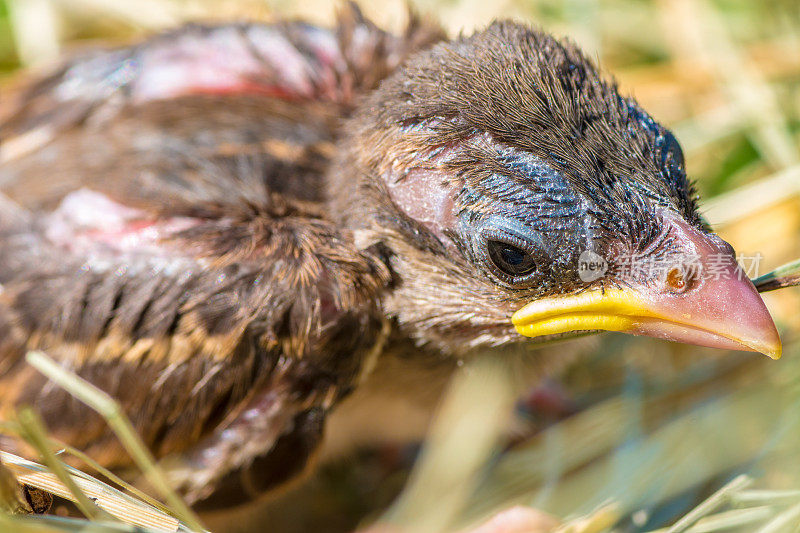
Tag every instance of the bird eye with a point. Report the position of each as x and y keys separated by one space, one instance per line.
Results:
x=513 y=253
x=509 y=259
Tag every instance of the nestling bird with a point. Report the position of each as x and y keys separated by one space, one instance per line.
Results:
x=234 y=228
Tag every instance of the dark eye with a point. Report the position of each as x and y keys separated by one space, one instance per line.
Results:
x=509 y=259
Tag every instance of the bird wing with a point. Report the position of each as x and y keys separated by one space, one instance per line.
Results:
x=163 y=237
x=191 y=323
x=126 y=120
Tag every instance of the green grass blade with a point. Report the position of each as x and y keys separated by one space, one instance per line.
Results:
x=122 y=427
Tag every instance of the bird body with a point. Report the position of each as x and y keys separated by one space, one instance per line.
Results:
x=232 y=228
x=145 y=271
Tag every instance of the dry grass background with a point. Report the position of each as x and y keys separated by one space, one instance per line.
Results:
x=666 y=436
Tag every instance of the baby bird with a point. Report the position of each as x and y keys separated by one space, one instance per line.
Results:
x=232 y=228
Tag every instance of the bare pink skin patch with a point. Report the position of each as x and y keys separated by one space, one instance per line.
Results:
x=427 y=193
x=235 y=59
x=224 y=61
x=89 y=223
x=424 y=195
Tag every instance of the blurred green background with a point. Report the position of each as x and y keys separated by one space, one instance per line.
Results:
x=653 y=428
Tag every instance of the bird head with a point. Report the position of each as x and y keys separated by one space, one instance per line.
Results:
x=514 y=190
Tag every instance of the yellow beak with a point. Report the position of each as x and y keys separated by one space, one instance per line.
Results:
x=739 y=327
x=721 y=309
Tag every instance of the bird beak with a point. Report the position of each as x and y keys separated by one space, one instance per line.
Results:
x=720 y=308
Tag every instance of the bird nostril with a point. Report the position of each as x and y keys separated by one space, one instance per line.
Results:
x=677 y=279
